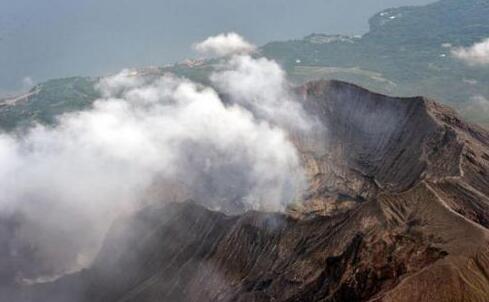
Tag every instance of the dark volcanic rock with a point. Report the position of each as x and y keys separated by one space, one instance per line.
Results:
x=397 y=211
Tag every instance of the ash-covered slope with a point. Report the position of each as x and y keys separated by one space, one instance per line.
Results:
x=397 y=211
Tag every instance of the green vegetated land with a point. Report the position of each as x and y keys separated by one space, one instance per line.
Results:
x=46 y=101
x=406 y=52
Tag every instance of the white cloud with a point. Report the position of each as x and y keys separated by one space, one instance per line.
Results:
x=261 y=86
x=224 y=45
x=143 y=131
x=477 y=54
x=146 y=133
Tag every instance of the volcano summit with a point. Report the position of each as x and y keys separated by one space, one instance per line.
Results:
x=397 y=209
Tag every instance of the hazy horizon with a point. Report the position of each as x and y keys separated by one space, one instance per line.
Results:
x=68 y=38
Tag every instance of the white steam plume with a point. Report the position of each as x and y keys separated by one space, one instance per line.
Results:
x=477 y=54
x=225 y=45
x=260 y=85
x=69 y=181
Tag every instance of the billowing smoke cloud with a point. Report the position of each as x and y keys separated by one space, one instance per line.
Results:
x=153 y=134
x=224 y=45
x=477 y=54
x=260 y=85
